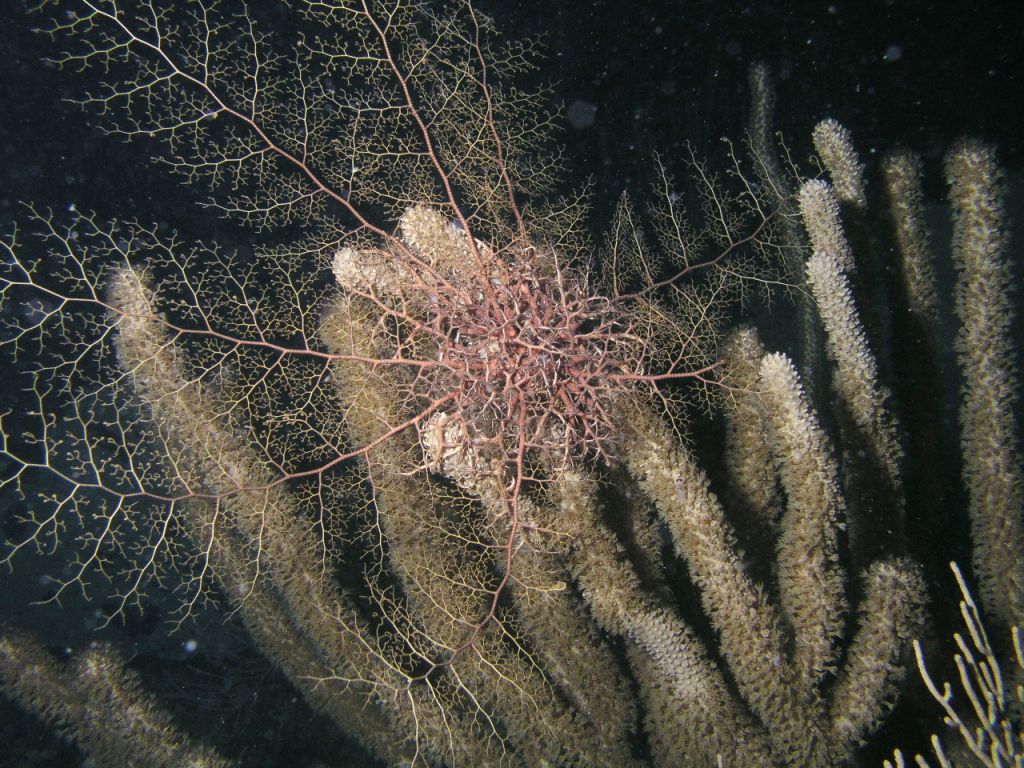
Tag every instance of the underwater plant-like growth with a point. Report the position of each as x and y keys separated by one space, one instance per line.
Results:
x=422 y=440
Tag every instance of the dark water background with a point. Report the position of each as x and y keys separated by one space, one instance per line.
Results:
x=629 y=80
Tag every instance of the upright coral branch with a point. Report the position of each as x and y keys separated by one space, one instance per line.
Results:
x=434 y=461
x=99 y=703
x=992 y=457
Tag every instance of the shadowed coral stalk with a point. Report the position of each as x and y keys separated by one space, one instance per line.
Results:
x=985 y=346
x=424 y=451
x=99 y=703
